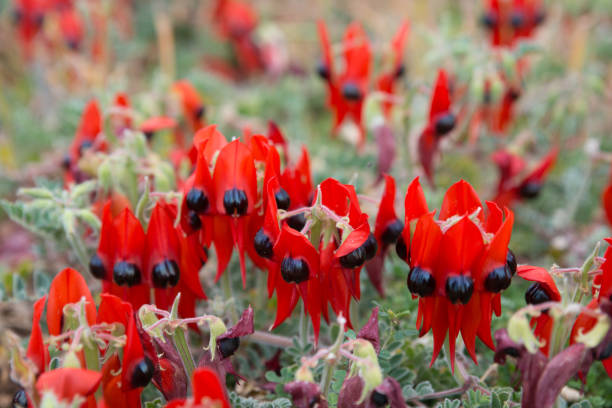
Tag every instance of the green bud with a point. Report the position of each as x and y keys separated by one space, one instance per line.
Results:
x=36 y=192
x=520 y=331
x=71 y=360
x=105 y=175
x=148 y=319
x=593 y=337
x=217 y=328
x=304 y=374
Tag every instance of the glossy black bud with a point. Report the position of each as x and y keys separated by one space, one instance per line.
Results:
x=514 y=94
x=228 y=346
x=199 y=112
x=17 y=16
x=445 y=124
x=142 y=374
x=401 y=249
x=282 y=199
x=606 y=352
x=489 y=20
x=539 y=17
x=353 y=259
x=323 y=70
x=351 y=91
x=235 y=202
x=73 y=44
x=263 y=244
x=297 y=221
x=294 y=270
x=400 y=71
x=165 y=274
x=66 y=162
x=511 y=351
x=196 y=200
x=20 y=399
x=85 y=144
x=379 y=399
x=498 y=279
x=530 y=189
x=194 y=220
x=370 y=246
x=39 y=19
x=96 y=267
x=459 y=288
x=517 y=19
x=536 y=294
x=125 y=273
x=149 y=135
x=511 y=262
x=392 y=232
x=421 y=282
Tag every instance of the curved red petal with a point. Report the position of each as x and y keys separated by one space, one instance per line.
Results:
x=67 y=287
x=206 y=384
x=460 y=199
x=37 y=351
x=440 y=99
x=540 y=275
x=68 y=382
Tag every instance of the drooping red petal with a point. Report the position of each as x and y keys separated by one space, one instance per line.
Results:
x=427 y=147
x=162 y=241
x=130 y=238
x=425 y=243
x=386 y=208
x=157 y=123
x=540 y=275
x=234 y=169
x=328 y=59
x=206 y=384
x=460 y=199
x=440 y=99
x=37 y=351
x=67 y=287
x=67 y=382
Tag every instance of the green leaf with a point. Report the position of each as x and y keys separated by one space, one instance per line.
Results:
x=19 y=288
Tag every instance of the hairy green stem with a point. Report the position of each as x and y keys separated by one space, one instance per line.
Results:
x=183 y=349
x=303 y=326
x=331 y=362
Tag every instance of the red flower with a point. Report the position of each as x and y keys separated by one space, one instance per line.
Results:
x=71 y=27
x=441 y=121
x=387 y=81
x=387 y=231
x=67 y=383
x=294 y=270
x=607 y=201
x=510 y=21
x=28 y=16
x=136 y=368
x=510 y=187
x=347 y=90
x=191 y=103
x=121 y=116
x=207 y=390
x=459 y=264
x=155 y=124
x=67 y=287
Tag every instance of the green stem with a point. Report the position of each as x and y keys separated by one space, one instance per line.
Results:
x=226 y=283
x=303 y=326
x=79 y=249
x=92 y=357
x=331 y=364
x=183 y=349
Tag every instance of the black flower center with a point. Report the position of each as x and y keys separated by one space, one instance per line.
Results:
x=401 y=249
x=297 y=221
x=165 y=274
x=379 y=399
x=228 y=346
x=459 y=288
x=196 y=200
x=351 y=91
x=294 y=270
x=392 y=232
x=489 y=20
x=142 y=374
x=530 y=189
x=235 y=202
x=498 y=279
x=536 y=294
x=323 y=70
x=282 y=199
x=20 y=399
x=126 y=273
x=194 y=220
x=444 y=124
x=263 y=244
x=421 y=282
x=96 y=267
x=511 y=262
x=199 y=112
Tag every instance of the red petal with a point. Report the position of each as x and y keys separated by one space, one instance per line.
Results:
x=162 y=241
x=67 y=287
x=354 y=240
x=235 y=169
x=440 y=100
x=157 y=123
x=206 y=384
x=37 y=351
x=66 y=382
x=428 y=145
x=607 y=203
x=460 y=199
x=541 y=275
x=130 y=240
x=210 y=140
x=386 y=208
x=425 y=243
x=398 y=42
x=328 y=59
x=415 y=204
x=276 y=136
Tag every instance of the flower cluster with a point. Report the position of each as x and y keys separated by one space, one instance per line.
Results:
x=512 y=20
x=348 y=89
x=459 y=264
